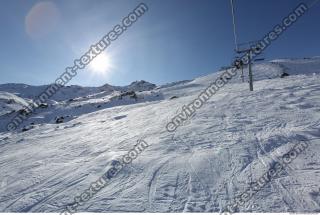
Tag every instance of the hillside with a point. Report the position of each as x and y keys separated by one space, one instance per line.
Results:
x=201 y=167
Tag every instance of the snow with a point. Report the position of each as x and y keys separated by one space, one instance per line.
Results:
x=229 y=143
x=10 y=102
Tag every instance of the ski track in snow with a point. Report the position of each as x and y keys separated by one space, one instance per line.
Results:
x=215 y=156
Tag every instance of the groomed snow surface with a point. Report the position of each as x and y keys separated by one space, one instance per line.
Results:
x=228 y=144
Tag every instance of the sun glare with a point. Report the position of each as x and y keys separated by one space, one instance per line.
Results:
x=101 y=64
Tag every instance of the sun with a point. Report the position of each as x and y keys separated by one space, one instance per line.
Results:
x=101 y=64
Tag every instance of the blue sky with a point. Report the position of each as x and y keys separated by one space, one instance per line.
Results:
x=174 y=40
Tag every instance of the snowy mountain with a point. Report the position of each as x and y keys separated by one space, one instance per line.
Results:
x=10 y=103
x=211 y=159
x=71 y=101
x=73 y=91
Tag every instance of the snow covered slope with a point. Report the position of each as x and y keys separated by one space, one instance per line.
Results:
x=215 y=156
x=10 y=102
x=72 y=101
